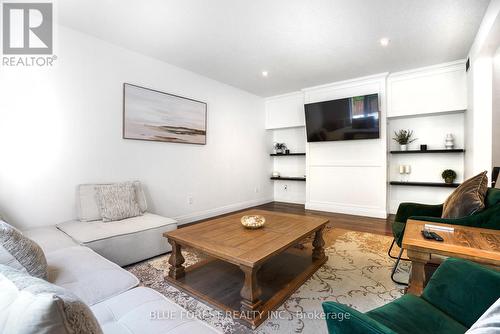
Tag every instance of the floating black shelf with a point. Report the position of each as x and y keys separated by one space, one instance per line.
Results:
x=429 y=151
x=284 y=155
x=425 y=184
x=289 y=178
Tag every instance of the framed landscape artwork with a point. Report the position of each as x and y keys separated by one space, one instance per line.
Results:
x=157 y=116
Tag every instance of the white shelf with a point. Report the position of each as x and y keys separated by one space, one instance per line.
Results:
x=431 y=114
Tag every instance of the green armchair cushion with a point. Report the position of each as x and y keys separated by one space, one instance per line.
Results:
x=343 y=319
x=457 y=295
x=487 y=218
x=407 y=210
x=475 y=288
x=492 y=197
x=411 y=314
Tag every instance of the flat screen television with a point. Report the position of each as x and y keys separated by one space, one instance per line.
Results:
x=356 y=117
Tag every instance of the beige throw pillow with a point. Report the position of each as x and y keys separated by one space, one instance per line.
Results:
x=468 y=198
x=23 y=250
x=117 y=201
x=30 y=305
x=88 y=208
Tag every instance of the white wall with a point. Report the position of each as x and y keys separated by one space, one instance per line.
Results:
x=480 y=82
x=478 y=155
x=348 y=176
x=62 y=126
x=496 y=110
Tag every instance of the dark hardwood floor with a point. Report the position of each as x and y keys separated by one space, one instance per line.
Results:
x=343 y=221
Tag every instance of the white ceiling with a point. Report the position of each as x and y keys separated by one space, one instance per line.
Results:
x=301 y=43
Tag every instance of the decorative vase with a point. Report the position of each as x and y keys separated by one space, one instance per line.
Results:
x=279 y=151
x=449 y=180
x=403 y=147
x=449 y=142
x=276 y=174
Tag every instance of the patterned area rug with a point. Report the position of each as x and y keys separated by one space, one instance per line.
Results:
x=357 y=274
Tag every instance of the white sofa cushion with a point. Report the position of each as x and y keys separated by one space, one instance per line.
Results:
x=88 y=208
x=26 y=252
x=50 y=238
x=133 y=312
x=86 y=232
x=30 y=305
x=87 y=274
x=126 y=241
x=7 y=259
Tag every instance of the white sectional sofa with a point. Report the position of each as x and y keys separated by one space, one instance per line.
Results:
x=110 y=291
x=125 y=241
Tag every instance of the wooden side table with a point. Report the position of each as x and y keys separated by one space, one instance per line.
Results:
x=470 y=243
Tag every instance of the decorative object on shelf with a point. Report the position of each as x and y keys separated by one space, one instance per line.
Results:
x=407 y=172
x=449 y=175
x=423 y=147
x=449 y=142
x=279 y=148
x=287 y=151
x=404 y=170
x=253 y=221
x=157 y=116
x=276 y=174
x=404 y=138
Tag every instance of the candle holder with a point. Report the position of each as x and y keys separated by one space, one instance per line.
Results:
x=404 y=172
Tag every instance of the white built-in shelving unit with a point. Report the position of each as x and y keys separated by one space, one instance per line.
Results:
x=432 y=102
x=285 y=119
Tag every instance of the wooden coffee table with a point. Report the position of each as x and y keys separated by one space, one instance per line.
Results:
x=470 y=243
x=249 y=272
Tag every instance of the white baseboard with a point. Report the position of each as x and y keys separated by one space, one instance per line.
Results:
x=191 y=217
x=347 y=209
x=288 y=201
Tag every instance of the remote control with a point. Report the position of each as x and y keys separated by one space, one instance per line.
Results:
x=427 y=234
x=436 y=236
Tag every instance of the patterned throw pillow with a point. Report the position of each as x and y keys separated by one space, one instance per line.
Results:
x=31 y=305
x=117 y=201
x=468 y=198
x=23 y=250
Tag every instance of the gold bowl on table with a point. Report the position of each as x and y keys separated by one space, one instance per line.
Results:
x=253 y=221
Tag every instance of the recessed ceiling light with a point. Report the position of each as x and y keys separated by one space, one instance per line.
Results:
x=265 y=73
x=384 y=41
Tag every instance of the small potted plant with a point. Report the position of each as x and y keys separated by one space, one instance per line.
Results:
x=449 y=175
x=279 y=148
x=403 y=138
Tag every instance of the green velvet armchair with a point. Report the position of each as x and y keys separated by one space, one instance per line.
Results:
x=488 y=218
x=456 y=296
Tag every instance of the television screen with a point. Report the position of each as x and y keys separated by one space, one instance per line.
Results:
x=345 y=119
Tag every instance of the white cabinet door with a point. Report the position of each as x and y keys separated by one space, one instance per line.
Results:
x=285 y=111
x=429 y=90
